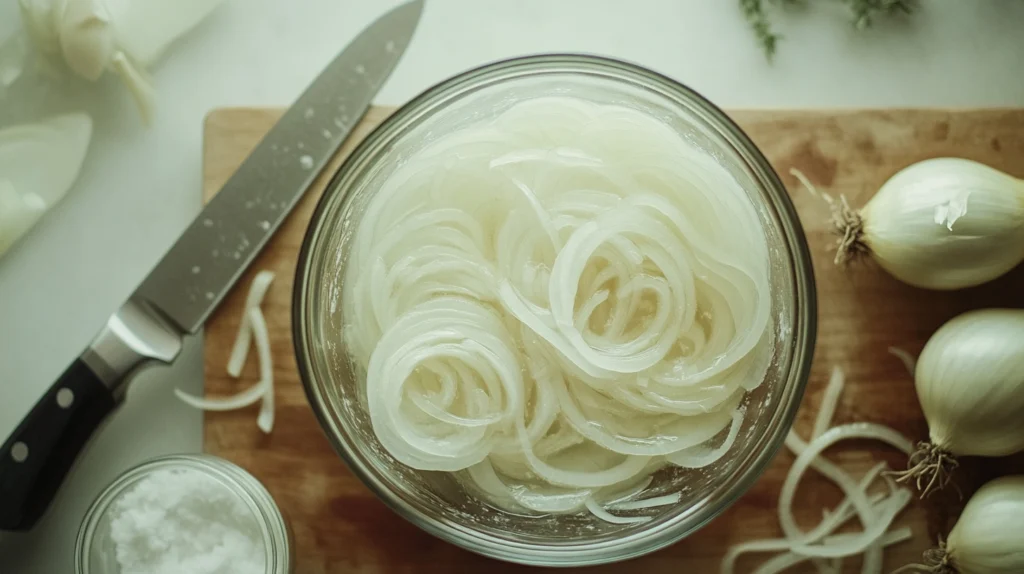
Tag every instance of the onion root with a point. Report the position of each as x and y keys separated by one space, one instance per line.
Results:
x=936 y=561
x=930 y=467
x=846 y=222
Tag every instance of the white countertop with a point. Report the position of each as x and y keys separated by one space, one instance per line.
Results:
x=140 y=188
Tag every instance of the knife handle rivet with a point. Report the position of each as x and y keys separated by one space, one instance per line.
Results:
x=19 y=452
x=65 y=397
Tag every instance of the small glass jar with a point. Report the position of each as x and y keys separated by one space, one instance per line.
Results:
x=94 y=549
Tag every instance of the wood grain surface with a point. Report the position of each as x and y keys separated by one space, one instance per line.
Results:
x=340 y=526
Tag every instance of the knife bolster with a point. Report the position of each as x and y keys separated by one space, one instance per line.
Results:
x=132 y=337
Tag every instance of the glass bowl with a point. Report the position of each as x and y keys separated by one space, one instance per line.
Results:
x=94 y=548
x=435 y=501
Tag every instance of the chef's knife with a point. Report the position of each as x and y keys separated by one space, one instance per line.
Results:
x=202 y=266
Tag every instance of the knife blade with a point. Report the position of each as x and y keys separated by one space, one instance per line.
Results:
x=189 y=282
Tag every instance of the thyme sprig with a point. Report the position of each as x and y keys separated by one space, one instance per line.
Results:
x=863 y=14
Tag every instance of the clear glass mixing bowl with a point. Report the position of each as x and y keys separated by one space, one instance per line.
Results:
x=435 y=501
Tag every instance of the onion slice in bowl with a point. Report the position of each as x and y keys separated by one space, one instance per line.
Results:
x=603 y=514
x=646 y=503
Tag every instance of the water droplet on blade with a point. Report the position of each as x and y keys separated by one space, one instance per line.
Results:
x=306 y=162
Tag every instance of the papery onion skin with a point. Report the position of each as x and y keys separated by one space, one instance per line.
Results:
x=875 y=511
x=243 y=340
x=253 y=326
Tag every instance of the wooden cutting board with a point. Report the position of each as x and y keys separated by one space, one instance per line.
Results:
x=340 y=526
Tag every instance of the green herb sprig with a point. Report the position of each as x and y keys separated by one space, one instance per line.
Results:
x=862 y=12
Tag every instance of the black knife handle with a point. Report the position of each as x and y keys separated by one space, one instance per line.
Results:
x=37 y=456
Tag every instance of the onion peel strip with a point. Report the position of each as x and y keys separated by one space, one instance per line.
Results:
x=873 y=528
x=265 y=419
x=603 y=514
x=829 y=402
x=836 y=518
x=908 y=360
x=615 y=320
x=875 y=512
x=786 y=560
x=240 y=350
x=646 y=503
x=233 y=402
x=253 y=326
x=701 y=456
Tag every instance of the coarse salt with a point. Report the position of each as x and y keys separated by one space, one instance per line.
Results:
x=182 y=520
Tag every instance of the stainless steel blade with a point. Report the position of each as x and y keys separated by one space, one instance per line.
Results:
x=193 y=277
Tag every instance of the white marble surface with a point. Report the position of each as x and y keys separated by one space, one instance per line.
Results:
x=141 y=187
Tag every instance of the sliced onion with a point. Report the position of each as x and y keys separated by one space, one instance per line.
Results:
x=517 y=496
x=875 y=512
x=829 y=402
x=603 y=514
x=265 y=419
x=875 y=524
x=629 y=468
x=253 y=326
x=701 y=455
x=614 y=496
x=652 y=502
x=829 y=524
x=789 y=559
x=908 y=360
x=237 y=401
x=243 y=340
x=556 y=303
